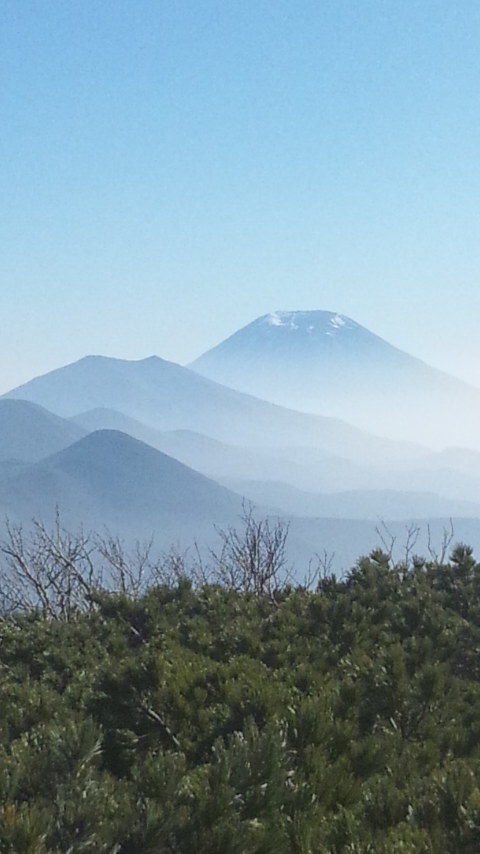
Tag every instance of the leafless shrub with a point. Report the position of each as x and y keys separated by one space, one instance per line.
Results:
x=127 y=572
x=319 y=568
x=412 y=535
x=172 y=567
x=387 y=539
x=52 y=572
x=57 y=573
x=252 y=559
x=447 y=539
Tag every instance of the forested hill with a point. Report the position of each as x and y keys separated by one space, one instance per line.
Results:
x=239 y=717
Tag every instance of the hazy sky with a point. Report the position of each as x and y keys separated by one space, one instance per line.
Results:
x=171 y=170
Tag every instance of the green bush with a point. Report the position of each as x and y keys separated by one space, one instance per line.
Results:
x=195 y=718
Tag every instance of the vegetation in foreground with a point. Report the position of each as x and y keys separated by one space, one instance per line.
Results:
x=234 y=714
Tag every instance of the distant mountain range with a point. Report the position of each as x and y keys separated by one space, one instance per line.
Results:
x=110 y=482
x=452 y=474
x=150 y=447
x=222 y=460
x=322 y=362
x=354 y=504
x=166 y=396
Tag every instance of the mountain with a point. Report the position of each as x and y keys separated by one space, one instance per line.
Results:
x=166 y=396
x=109 y=479
x=355 y=504
x=29 y=432
x=322 y=362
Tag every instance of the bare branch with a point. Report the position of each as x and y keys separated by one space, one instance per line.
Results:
x=387 y=539
x=253 y=559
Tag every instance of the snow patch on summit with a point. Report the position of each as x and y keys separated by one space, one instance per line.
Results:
x=310 y=322
x=274 y=320
x=282 y=318
x=337 y=321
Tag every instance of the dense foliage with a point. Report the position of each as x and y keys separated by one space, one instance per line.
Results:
x=197 y=718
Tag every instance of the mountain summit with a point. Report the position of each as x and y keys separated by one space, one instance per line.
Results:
x=326 y=363
x=311 y=322
x=293 y=340
x=308 y=321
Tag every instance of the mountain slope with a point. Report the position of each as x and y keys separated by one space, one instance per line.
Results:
x=109 y=479
x=29 y=432
x=322 y=362
x=166 y=396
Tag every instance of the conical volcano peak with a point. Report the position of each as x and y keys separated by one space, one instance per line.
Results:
x=324 y=362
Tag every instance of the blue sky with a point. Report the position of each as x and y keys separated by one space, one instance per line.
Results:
x=172 y=170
